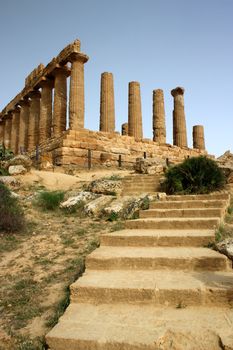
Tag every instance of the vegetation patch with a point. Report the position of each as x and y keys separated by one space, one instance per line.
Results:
x=50 y=200
x=194 y=175
x=11 y=214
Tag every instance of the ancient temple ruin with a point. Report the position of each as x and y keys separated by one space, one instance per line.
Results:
x=36 y=121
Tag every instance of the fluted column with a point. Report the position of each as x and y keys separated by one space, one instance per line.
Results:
x=107 y=107
x=2 y=127
x=179 y=123
x=135 y=111
x=76 y=99
x=7 y=132
x=60 y=101
x=159 y=128
x=23 y=126
x=45 y=122
x=198 y=137
x=34 y=119
x=15 y=130
x=124 y=129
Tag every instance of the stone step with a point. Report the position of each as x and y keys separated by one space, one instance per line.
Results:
x=141 y=327
x=136 y=193
x=156 y=258
x=221 y=195
x=141 y=187
x=162 y=238
x=188 y=204
x=182 y=213
x=174 y=223
x=167 y=288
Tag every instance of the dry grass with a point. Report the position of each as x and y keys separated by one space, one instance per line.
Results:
x=37 y=266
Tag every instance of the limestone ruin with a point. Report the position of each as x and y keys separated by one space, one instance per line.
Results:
x=36 y=120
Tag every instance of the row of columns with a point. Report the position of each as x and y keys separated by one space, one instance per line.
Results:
x=134 y=126
x=40 y=115
x=37 y=117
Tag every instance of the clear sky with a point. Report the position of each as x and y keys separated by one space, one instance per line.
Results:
x=160 y=43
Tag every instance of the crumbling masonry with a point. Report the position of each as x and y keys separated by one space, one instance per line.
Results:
x=36 y=120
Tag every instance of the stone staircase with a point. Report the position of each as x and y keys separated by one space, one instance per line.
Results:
x=154 y=285
x=137 y=184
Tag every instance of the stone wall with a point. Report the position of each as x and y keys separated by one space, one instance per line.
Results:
x=72 y=150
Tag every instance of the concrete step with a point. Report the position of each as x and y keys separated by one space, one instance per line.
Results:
x=168 y=288
x=141 y=327
x=182 y=213
x=174 y=223
x=162 y=238
x=188 y=204
x=218 y=196
x=156 y=258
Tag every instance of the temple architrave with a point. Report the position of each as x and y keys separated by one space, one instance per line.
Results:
x=36 y=121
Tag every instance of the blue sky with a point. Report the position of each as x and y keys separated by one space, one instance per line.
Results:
x=160 y=43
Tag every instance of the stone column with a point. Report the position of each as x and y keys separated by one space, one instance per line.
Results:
x=7 y=131
x=15 y=130
x=60 y=101
x=134 y=111
x=159 y=128
x=198 y=137
x=179 y=123
x=2 y=127
x=76 y=99
x=34 y=119
x=45 y=122
x=107 y=108
x=23 y=126
x=124 y=129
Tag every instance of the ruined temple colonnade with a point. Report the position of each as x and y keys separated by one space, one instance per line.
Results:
x=39 y=112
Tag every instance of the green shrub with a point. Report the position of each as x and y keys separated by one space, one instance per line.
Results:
x=5 y=154
x=113 y=216
x=49 y=200
x=194 y=175
x=11 y=214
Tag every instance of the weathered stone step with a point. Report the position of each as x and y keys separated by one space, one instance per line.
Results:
x=168 y=288
x=163 y=238
x=173 y=223
x=223 y=196
x=181 y=213
x=156 y=258
x=141 y=327
x=188 y=204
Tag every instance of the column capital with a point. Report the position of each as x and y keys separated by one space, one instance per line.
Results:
x=177 y=91
x=16 y=109
x=46 y=82
x=134 y=83
x=61 y=70
x=24 y=102
x=158 y=92
x=34 y=94
x=78 y=56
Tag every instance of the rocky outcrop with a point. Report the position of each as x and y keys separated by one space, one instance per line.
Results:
x=105 y=186
x=225 y=162
x=96 y=206
x=150 y=165
x=82 y=197
x=20 y=160
x=17 y=170
x=9 y=181
x=226 y=247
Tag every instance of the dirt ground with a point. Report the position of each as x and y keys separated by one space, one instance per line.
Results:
x=38 y=265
